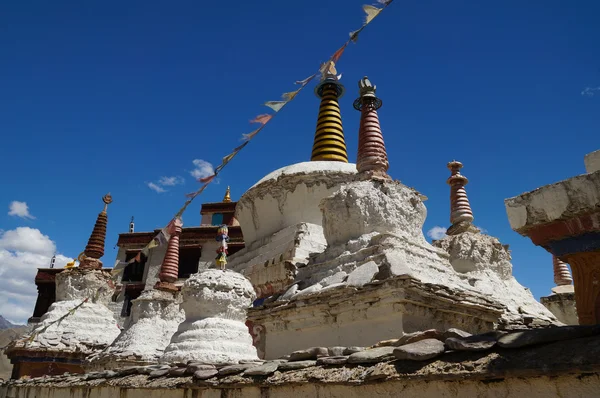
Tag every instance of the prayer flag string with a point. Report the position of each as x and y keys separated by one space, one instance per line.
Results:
x=327 y=67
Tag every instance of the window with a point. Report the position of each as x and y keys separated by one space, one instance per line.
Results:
x=217 y=219
x=133 y=272
x=189 y=257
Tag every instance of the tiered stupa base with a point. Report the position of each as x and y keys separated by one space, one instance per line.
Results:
x=155 y=316
x=214 y=331
x=380 y=278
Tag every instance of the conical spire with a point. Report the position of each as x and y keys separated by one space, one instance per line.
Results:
x=329 y=141
x=169 y=270
x=227 y=197
x=372 y=155
x=461 y=215
x=562 y=275
x=95 y=246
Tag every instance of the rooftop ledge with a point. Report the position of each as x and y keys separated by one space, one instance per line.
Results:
x=560 y=201
x=494 y=356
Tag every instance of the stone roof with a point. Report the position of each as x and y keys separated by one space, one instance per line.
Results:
x=429 y=355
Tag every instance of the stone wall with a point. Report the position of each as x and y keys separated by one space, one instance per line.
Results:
x=547 y=387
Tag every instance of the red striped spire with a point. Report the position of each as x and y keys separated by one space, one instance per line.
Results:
x=90 y=258
x=169 y=270
x=372 y=156
x=562 y=275
x=461 y=215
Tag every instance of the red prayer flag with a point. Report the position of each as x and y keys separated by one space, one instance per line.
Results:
x=262 y=119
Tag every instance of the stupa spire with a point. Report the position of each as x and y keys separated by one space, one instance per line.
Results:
x=562 y=275
x=227 y=197
x=95 y=246
x=169 y=269
x=461 y=215
x=372 y=155
x=329 y=141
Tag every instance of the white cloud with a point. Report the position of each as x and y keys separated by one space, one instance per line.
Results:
x=25 y=239
x=590 y=91
x=436 y=232
x=156 y=188
x=202 y=169
x=170 y=181
x=22 y=251
x=19 y=209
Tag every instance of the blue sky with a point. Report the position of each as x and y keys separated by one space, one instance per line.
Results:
x=110 y=96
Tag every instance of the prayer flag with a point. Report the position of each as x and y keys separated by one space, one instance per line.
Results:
x=306 y=81
x=262 y=119
x=290 y=96
x=206 y=179
x=336 y=56
x=251 y=135
x=275 y=105
x=354 y=35
x=371 y=11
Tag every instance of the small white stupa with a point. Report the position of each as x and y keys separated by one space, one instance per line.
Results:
x=214 y=331
x=79 y=322
x=155 y=316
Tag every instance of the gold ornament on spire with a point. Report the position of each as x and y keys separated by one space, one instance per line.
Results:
x=227 y=197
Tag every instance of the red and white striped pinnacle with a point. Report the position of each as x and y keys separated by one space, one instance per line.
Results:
x=460 y=208
x=169 y=270
x=562 y=275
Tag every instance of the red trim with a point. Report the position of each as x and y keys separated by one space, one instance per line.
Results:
x=543 y=234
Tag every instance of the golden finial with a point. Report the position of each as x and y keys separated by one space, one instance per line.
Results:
x=227 y=197
x=107 y=199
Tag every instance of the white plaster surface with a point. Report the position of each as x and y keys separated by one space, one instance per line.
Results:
x=270 y=263
x=559 y=201
x=89 y=328
x=155 y=316
x=289 y=196
x=214 y=331
x=382 y=222
x=592 y=161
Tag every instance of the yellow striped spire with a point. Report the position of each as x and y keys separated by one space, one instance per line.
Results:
x=329 y=138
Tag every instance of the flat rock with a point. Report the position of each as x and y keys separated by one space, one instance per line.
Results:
x=205 y=374
x=479 y=342
x=177 y=372
x=265 y=369
x=235 y=369
x=337 y=360
x=418 y=336
x=159 y=373
x=194 y=367
x=335 y=351
x=128 y=371
x=420 y=351
x=363 y=274
x=309 y=353
x=540 y=336
x=352 y=350
x=296 y=365
x=387 y=343
x=380 y=354
x=456 y=333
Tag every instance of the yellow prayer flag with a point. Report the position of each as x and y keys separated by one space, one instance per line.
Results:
x=371 y=11
x=328 y=68
x=290 y=96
